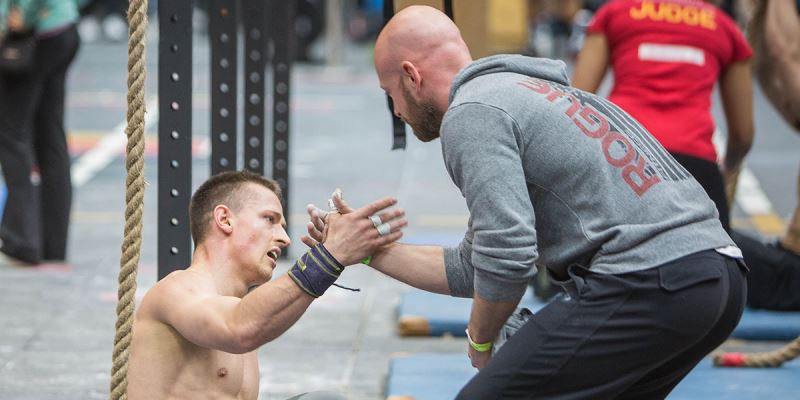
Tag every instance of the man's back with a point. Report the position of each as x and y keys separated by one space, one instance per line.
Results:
x=166 y=365
x=604 y=192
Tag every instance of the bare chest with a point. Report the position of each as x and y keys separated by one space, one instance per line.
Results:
x=229 y=375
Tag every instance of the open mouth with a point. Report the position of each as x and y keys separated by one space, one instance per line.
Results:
x=274 y=254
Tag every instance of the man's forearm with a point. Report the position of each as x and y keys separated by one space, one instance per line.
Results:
x=488 y=317
x=268 y=311
x=419 y=266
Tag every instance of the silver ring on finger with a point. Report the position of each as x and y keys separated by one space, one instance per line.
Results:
x=332 y=206
x=376 y=220
x=384 y=229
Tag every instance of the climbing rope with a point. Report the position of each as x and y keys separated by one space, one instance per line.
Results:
x=768 y=359
x=730 y=188
x=134 y=197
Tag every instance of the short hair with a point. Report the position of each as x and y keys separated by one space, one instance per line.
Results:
x=223 y=188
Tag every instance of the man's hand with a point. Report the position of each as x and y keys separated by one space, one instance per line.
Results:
x=479 y=358
x=352 y=235
x=315 y=226
x=318 y=217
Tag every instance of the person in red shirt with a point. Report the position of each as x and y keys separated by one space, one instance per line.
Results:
x=666 y=56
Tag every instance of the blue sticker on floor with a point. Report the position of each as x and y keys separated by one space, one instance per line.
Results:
x=768 y=325
x=427 y=314
x=3 y=197
x=428 y=376
x=707 y=382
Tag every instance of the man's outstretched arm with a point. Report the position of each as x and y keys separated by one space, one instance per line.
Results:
x=419 y=266
x=229 y=323
x=242 y=325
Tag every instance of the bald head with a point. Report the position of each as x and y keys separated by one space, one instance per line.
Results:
x=419 y=51
x=416 y=33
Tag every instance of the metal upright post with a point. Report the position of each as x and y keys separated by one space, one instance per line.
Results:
x=282 y=18
x=334 y=31
x=448 y=8
x=223 y=34
x=174 y=134
x=398 y=126
x=254 y=15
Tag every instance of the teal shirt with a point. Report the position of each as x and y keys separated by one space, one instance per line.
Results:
x=42 y=15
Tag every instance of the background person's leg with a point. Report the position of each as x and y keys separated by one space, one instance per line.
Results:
x=50 y=146
x=20 y=228
x=774 y=279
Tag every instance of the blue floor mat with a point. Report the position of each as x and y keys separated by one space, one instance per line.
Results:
x=768 y=325
x=707 y=382
x=427 y=314
x=3 y=197
x=430 y=376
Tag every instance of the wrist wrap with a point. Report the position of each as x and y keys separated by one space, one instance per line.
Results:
x=316 y=271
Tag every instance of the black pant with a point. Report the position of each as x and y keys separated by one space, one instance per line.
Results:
x=710 y=178
x=774 y=279
x=627 y=336
x=36 y=218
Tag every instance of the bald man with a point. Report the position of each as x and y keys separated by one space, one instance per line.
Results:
x=558 y=177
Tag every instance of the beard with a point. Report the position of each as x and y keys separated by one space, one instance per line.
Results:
x=425 y=121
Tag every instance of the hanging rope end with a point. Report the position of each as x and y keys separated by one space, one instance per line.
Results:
x=730 y=360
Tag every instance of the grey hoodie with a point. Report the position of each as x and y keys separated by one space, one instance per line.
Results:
x=556 y=176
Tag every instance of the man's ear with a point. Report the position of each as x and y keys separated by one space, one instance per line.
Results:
x=223 y=218
x=411 y=73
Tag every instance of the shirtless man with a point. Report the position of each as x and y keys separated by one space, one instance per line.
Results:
x=773 y=32
x=197 y=331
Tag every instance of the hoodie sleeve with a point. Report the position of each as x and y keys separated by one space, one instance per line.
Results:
x=482 y=151
x=458 y=268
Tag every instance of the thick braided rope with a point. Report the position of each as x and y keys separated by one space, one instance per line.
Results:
x=134 y=197
x=730 y=189
x=768 y=359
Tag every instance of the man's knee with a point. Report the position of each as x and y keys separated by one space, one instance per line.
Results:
x=322 y=395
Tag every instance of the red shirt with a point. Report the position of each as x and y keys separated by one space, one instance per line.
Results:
x=666 y=56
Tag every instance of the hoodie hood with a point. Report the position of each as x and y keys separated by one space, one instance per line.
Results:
x=542 y=68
